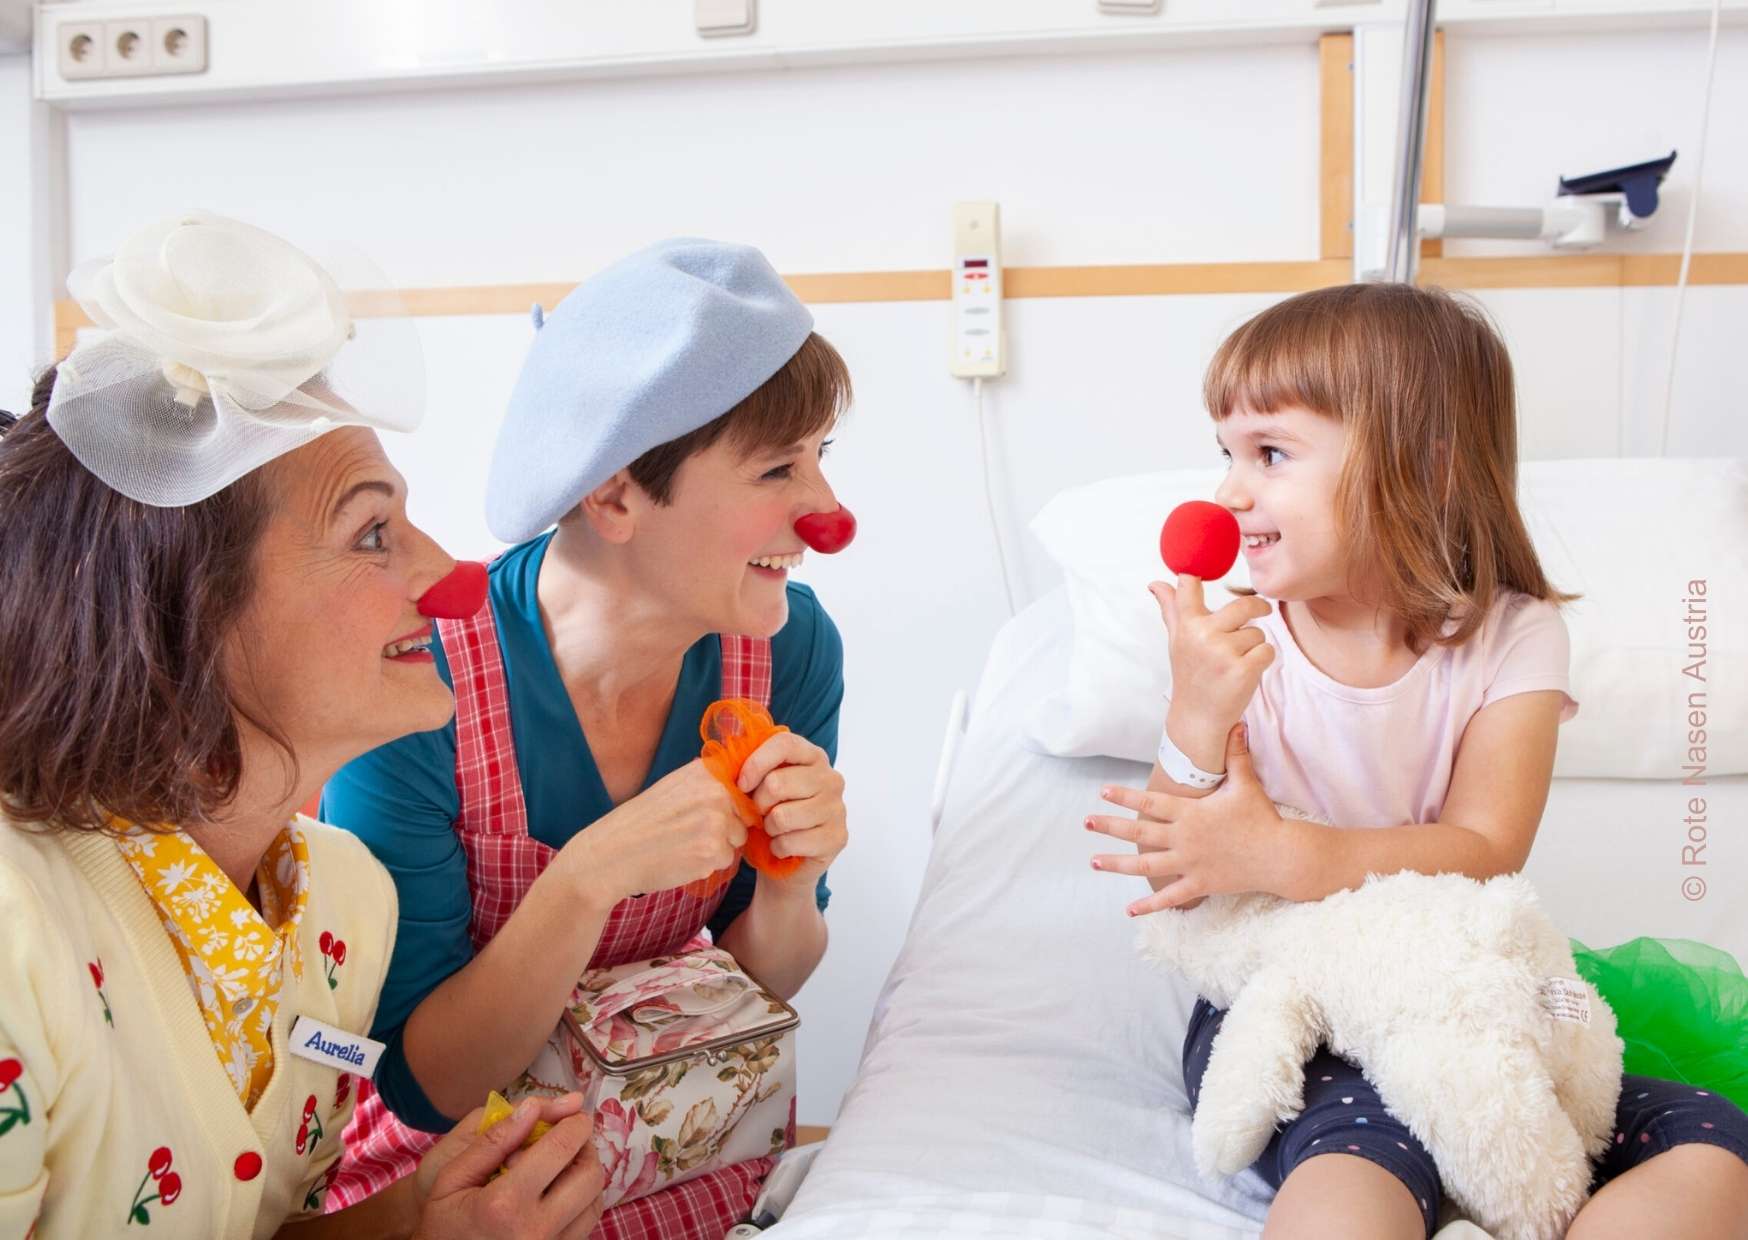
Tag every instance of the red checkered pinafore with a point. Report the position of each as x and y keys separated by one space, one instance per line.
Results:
x=503 y=861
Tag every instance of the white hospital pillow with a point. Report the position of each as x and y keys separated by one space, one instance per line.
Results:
x=1628 y=534
x=1105 y=538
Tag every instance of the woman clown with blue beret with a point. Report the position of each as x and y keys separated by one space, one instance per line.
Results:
x=659 y=473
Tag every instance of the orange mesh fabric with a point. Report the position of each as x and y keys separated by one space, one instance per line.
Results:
x=732 y=730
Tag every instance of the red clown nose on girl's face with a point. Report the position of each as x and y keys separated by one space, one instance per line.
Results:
x=457 y=596
x=827 y=532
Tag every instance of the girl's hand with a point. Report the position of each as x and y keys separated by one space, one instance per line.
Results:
x=681 y=828
x=793 y=783
x=1231 y=840
x=553 y=1188
x=1217 y=661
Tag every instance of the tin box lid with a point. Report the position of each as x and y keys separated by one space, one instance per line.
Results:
x=637 y=1015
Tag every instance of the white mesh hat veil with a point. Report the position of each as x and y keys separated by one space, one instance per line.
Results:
x=224 y=347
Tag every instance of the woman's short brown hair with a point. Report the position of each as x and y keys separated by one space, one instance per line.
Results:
x=1428 y=492
x=811 y=391
x=113 y=615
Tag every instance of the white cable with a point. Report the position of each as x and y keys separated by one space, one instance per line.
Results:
x=1699 y=163
x=989 y=497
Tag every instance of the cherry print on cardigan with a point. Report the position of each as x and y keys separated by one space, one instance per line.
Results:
x=318 y=1191
x=167 y=1182
x=96 y=967
x=309 y=1133
x=13 y=1116
x=334 y=950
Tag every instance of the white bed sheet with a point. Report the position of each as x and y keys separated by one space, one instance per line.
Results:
x=1023 y=1064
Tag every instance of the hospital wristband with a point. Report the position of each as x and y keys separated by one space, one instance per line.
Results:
x=1179 y=769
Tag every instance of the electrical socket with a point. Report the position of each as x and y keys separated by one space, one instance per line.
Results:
x=131 y=47
x=179 y=45
x=127 y=48
x=80 y=53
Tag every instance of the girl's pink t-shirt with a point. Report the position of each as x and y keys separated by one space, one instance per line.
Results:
x=1383 y=757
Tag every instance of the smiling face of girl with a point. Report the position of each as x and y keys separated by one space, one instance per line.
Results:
x=1284 y=469
x=1374 y=428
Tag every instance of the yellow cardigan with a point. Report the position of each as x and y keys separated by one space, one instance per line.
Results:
x=118 y=1119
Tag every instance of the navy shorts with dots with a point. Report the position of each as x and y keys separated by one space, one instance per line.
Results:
x=1343 y=1115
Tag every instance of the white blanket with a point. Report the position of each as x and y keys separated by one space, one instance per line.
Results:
x=983 y=1215
x=1022 y=1058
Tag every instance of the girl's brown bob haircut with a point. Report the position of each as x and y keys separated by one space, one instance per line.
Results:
x=1428 y=491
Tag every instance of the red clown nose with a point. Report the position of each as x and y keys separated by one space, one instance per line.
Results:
x=457 y=596
x=827 y=532
x=1200 y=539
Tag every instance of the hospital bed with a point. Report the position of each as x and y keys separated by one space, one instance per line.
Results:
x=1021 y=1075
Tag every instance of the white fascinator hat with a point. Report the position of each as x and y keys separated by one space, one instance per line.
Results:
x=222 y=347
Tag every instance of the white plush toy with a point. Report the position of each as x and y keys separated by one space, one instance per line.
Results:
x=1458 y=1000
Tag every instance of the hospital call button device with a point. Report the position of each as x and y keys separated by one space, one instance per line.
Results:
x=979 y=343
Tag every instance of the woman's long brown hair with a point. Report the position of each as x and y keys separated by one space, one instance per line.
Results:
x=113 y=618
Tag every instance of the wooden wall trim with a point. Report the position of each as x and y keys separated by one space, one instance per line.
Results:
x=1584 y=271
x=1432 y=160
x=1136 y=280
x=1335 y=155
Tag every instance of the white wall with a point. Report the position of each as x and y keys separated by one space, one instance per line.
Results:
x=1184 y=156
x=18 y=313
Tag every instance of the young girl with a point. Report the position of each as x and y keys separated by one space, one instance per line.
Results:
x=1406 y=683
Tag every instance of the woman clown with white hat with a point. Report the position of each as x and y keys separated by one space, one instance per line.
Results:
x=205 y=568
x=659 y=474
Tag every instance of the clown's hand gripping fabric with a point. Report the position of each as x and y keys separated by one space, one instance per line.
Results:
x=733 y=730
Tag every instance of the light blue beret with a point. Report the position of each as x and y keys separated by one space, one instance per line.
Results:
x=657 y=345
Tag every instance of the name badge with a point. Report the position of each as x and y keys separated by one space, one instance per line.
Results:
x=349 y=1052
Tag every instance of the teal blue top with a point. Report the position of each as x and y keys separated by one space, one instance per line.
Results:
x=402 y=801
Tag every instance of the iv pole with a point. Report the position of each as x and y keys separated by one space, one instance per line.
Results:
x=1578 y=219
x=1404 y=251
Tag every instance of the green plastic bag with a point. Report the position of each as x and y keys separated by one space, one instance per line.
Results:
x=1681 y=1008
